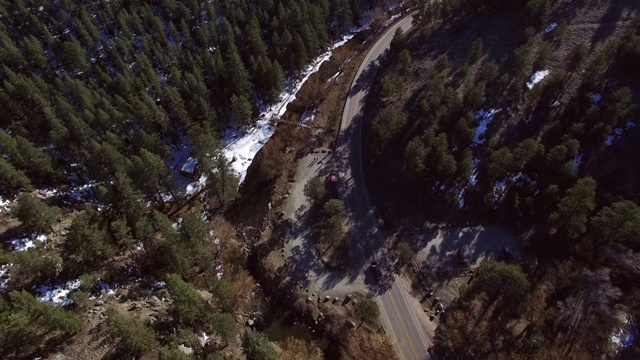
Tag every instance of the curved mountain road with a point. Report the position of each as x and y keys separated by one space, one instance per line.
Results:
x=401 y=321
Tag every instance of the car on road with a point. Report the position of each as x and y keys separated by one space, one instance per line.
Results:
x=375 y=271
x=331 y=184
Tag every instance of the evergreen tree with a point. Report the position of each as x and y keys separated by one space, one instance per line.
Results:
x=573 y=210
x=131 y=337
x=399 y=41
x=618 y=222
x=73 y=55
x=87 y=238
x=387 y=125
x=225 y=294
x=500 y=280
x=187 y=305
x=225 y=326
x=367 y=310
x=314 y=190
x=476 y=51
x=25 y=322
x=257 y=347
x=34 y=214
x=12 y=179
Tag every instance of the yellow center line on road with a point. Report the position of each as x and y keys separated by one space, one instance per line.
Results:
x=404 y=327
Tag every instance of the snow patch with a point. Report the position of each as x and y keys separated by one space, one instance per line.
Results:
x=521 y=177
x=577 y=160
x=4 y=277
x=498 y=190
x=617 y=133
x=473 y=180
x=550 y=28
x=609 y=140
x=308 y=116
x=81 y=193
x=196 y=186
x=622 y=339
x=28 y=242
x=485 y=117
x=625 y=336
x=241 y=148
x=105 y=288
x=57 y=294
x=219 y=271
x=597 y=97
x=537 y=77
x=189 y=165
x=4 y=205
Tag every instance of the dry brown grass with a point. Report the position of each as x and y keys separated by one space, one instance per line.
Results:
x=363 y=344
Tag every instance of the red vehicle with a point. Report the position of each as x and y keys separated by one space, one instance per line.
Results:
x=331 y=184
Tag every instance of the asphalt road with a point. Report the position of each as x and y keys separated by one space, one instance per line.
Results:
x=399 y=318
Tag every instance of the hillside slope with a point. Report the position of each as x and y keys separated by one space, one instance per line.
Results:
x=523 y=115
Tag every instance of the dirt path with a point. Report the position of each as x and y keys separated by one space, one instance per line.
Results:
x=303 y=264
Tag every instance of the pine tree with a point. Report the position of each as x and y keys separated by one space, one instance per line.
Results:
x=187 y=305
x=26 y=322
x=35 y=215
x=35 y=53
x=257 y=347
x=131 y=337
x=87 y=238
x=573 y=210
x=73 y=56
x=12 y=179
x=237 y=76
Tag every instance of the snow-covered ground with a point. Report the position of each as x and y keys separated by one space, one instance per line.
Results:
x=485 y=117
x=81 y=193
x=57 y=294
x=23 y=244
x=308 y=116
x=189 y=165
x=240 y=148
x=617 y=133
x=473 y=180
x=550 y=28
x=4 y=205
x=577 y=160
x=625 y=336
x=4 y=277
x=537 y=77
x=104 y=289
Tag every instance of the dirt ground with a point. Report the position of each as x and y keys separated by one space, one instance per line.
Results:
x=437 y=272
x=302 y=261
